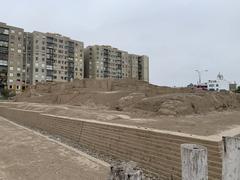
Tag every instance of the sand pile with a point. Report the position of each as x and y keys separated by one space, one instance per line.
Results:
x=136 y=97
x=187 y=103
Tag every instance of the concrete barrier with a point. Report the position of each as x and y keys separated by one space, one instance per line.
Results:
x=231 y=158
x=194 y=162
x=156 y=152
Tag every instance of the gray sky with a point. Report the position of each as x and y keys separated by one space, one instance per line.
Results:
x=179 y=36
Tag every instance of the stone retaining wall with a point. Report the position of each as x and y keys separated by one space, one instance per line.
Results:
x=156 y=152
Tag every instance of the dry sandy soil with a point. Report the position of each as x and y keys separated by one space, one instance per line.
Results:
x=136 y=103
x=27 y=155
x=138 y=98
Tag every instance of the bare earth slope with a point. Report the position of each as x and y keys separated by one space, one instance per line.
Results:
x=137 y=98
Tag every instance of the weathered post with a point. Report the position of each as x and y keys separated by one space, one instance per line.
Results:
x=231 y=158
x=194 y=162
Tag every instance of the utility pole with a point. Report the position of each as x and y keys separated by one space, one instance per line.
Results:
x=200 y=75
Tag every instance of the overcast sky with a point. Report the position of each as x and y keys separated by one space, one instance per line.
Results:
x=179 y=36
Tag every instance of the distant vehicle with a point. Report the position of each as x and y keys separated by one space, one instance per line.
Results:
x=202 y=86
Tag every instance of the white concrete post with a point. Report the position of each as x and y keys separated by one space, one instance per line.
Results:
x=194 y=162
x=231 y=158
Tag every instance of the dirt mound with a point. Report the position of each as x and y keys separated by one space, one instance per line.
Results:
x=136 y=97
x=188 y=103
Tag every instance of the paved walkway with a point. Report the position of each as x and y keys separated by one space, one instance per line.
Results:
x=26 y=155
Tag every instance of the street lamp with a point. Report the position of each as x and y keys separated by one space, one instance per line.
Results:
x=200 y=75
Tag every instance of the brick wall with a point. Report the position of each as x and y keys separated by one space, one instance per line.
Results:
x=156 y=152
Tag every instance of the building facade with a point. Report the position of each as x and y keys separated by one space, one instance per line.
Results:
x=27 y=58
x=220 y=84
x=11 y=56
x=54 y=58
x=109 y=62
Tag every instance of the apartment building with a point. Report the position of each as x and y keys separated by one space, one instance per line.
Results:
x=11 y=56
x=108 y=62
x=53 y=57
x=27 y=58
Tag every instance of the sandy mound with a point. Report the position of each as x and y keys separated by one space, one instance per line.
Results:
x=136 y=97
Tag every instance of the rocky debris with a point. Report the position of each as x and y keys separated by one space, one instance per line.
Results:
x=119 y=168
x=126 y=171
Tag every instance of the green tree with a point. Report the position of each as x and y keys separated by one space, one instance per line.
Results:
x=7 y=93
x=238 y=89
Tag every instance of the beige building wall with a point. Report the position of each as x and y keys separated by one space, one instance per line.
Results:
x=56 y=58
x=38 y=57
x=126 y=65
x=103 y=62
x=134 y=66
x=144 y=68
x=27 y=59
x=14 y=42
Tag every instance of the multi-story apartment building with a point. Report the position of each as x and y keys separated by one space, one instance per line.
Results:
x=28 y=58
x=108 y=62
x=53 y=58
x=11 y=56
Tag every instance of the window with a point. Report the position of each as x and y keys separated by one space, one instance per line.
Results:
x=36 y=69
x=18 y=69
x=10 y=80
x=42 y=70
x=11 y=74
x=19 y=51
x=11 y=68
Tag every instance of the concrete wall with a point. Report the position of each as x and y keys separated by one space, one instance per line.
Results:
x=156 y=152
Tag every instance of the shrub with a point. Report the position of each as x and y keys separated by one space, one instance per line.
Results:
x=8 y=93
x=238 y=90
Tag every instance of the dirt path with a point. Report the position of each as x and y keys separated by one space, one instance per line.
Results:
x=26 y=155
